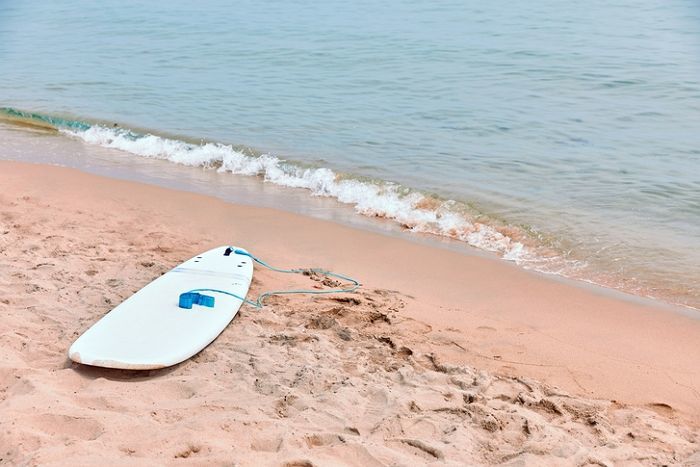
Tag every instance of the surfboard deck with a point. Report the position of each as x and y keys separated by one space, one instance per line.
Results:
x=149 y=330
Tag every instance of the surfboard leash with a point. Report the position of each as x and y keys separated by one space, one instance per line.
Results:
x=195 y=297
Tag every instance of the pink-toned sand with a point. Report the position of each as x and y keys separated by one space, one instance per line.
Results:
x=442 y=358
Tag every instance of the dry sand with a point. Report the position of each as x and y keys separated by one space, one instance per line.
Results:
x=442 y=358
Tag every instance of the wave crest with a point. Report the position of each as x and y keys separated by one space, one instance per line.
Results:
x=412 y=209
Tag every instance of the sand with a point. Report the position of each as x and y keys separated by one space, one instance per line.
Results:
x=442 y=358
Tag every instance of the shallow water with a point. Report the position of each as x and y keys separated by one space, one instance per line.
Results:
x=568 y=135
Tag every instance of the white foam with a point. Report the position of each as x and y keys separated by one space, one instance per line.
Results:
x=384 y=199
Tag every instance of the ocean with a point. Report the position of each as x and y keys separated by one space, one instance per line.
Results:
x=561 y=136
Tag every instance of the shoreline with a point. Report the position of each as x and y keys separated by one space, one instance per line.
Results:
x=313 y=190
x=478 y=311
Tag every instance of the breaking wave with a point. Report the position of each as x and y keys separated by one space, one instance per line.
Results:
x=414 y=210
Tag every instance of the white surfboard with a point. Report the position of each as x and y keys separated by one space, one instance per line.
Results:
x=150 y=330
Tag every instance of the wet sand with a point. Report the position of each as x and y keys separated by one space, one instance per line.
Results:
x=442 y=357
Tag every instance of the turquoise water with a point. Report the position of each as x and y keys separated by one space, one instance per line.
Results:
x=563 y=136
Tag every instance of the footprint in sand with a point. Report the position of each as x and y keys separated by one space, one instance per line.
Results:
x=273 y=444
x=423 y=428
x=376 y=407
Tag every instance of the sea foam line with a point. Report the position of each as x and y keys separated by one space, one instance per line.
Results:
x=384 y=199
x=412 y=209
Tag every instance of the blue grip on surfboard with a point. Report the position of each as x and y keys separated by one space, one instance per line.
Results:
x=188 y=299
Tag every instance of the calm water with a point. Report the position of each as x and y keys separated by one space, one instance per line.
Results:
x=564 y=136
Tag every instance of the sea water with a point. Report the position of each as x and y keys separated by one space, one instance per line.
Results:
x=563 y=136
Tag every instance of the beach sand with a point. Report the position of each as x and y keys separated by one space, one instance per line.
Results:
x=441 y=358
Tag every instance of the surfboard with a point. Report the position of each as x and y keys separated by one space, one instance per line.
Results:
x=150 y=329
